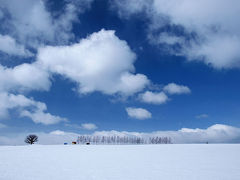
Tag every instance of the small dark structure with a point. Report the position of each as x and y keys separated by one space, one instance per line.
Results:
x=74 y=142
x=88 y=143
x=65 y=143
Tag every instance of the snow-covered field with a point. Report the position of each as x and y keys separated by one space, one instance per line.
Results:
x=120 y=162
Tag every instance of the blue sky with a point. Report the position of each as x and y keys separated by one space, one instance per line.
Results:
x=101 y=65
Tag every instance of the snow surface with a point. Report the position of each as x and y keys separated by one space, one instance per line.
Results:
x=120 y=162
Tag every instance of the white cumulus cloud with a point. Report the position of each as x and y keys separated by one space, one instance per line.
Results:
x=39 y=116
x=173 y=88
x=24 y=77
x=10 y=46
x=153 y=97
x=26 y=107
x=32 y=24
x=138 y=113
x=101 y=62
x=89 y=126
x=209 y=29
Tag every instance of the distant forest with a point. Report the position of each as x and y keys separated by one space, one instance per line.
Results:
x=122 y=140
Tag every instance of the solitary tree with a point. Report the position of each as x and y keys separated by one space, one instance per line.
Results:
x=31 y=139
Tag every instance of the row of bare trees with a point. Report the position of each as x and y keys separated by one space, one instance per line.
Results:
x=122 y=140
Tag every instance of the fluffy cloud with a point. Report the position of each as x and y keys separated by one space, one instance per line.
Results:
x=153 y=98
x=101 y=62
x=21 y=78
x=39 y=116
x=24 y=77
x=89 y=126
x=138 y=113
x=9 y=45
x=208 y=34
x=31 y=23
x=173 y=88
x=27 y=108
x=161 y=97
x=29 y=20
x=10 y=101
x=217 y=133
x=127 y=8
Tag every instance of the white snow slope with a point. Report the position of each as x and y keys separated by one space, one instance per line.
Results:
x=121 y=162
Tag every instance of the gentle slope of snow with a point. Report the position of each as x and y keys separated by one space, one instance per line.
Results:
x=116 y=162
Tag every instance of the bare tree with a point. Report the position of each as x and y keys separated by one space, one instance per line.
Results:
x=31 y=139
x=123 y=140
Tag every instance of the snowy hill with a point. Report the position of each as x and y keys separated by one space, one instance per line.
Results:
x=120 y=162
